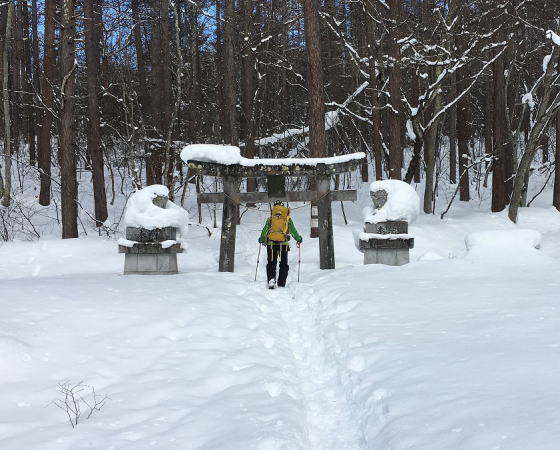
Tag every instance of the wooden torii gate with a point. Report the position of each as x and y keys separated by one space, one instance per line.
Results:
x=276 y=174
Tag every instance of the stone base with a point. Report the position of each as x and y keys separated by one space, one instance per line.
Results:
x=387 y=256
x=150 y=264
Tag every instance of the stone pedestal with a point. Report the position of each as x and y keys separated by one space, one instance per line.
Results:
x=151 y=252
x=146 y=255
x=386 y=243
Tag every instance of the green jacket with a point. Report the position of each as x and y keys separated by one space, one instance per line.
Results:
x=291 y=230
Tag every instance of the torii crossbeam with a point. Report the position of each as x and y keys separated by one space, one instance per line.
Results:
x=276 y=171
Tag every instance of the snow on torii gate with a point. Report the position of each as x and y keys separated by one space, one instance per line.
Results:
x=227 y=163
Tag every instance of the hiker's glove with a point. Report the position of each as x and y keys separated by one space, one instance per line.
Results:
x=261 y=241
x=299 y=242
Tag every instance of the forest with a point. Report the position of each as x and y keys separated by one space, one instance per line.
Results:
x=279 y=224
x=105 y=93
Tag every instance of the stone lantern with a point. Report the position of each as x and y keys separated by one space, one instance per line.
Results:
x=386 y=241
x=151 y=251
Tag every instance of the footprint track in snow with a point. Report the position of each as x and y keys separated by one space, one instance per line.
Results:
x=329 y=422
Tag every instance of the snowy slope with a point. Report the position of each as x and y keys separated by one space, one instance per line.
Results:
x=455 y=350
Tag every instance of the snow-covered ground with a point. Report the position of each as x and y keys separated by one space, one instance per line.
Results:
x=457 y=350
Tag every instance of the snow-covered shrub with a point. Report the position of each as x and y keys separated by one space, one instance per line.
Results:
x=403 y=203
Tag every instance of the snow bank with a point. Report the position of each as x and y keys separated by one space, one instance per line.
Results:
x=141 y=212
x=229 y=155
x=506 y=245
x=403 y=202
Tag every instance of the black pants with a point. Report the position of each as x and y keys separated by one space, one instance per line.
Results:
x=273 y=251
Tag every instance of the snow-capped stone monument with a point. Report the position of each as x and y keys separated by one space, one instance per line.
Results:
x=385 y=238
x=153 y=224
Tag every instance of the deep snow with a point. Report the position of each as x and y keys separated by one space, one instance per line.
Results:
x=455 y=350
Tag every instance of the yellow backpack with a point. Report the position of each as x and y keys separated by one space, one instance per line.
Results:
x=279 y=223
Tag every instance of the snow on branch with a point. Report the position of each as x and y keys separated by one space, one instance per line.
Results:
x=553 y=37
x=332 y=119
x=465 y=91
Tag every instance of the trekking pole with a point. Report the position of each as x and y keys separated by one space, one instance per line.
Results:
x=299 y=261
x=258 y=257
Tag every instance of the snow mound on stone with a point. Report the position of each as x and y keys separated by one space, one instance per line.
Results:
x=224 y=154
x=141 y=212
x=403 y=202
x=229 y=155
x=506 y=245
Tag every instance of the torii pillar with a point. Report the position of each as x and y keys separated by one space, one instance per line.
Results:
x=229 y=224
x=326 y=235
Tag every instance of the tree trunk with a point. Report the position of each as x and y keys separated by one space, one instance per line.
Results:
x=488 y=123
x=7 y=184
x=17 y=76
x=376 y=144
x=556 y=194
x=545 y=143
x=549 y=104
x=169 y=153
x=49 y=62
x=431 y=150
x=93 y=27
x=502 y=182
x=430 y=143
x=317 y=141
x=413 y=171
x=463 y=136
x=140 y=54
x=315 y=79
x=248 y=87
x=169 y=105
x=36 y=66
x=28 y=85
x=231 y=134
x=393 y=114
x=414 y=166
x=69 y=185
x=195 y=80
x=453 y=131
x=159 y=96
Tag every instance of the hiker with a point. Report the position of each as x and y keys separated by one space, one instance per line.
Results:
x=275 y=235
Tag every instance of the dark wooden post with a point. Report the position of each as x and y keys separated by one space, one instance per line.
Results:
x=326 y=243
x=229 y=224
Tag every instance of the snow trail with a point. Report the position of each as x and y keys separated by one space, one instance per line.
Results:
x=329 y=421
